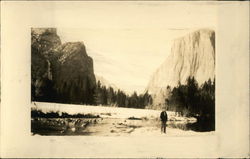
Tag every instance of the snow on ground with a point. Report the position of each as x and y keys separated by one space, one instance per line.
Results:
x=115 y=121
x=170 y=132
x=96 y=110
x=103 y=111
x=120 y=137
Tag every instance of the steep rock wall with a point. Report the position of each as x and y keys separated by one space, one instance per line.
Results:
x=60 y=72
x=191 y=56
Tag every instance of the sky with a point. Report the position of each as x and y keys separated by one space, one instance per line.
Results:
x=128 y=41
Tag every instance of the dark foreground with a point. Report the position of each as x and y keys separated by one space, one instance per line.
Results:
x=103 y=126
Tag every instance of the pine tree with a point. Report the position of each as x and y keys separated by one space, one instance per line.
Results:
x=97 y=94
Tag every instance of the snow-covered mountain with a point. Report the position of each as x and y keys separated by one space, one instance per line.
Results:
x=191 y=55
x=105 y=82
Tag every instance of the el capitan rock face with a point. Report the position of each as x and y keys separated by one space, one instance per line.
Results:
x=191 y=56
x=60 y=72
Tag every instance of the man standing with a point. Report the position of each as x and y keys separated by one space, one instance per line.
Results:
x=164 y=119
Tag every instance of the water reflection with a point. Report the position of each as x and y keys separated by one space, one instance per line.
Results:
x=201 y=125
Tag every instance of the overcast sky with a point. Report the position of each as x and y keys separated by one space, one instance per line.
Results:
x=129 y=40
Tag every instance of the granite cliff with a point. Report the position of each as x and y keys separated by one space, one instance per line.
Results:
x=60 y=72
x=191 y=56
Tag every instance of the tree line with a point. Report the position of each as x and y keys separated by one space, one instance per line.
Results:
x=108 y=96
x=190 y=99
x=99 y=95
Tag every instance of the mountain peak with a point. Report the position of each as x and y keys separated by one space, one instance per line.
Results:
x=192 y=55
x=71 y=68
x=72 y=50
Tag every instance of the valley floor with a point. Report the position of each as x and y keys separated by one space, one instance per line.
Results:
x=109 y=122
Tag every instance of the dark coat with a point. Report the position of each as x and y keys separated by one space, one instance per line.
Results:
x=164 y=116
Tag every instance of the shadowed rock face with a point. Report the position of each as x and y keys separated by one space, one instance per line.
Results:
x=192 y=55
x=75 y=79
x=60 y=72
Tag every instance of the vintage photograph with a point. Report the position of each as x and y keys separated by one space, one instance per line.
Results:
x=124 y=79
x=122 y=82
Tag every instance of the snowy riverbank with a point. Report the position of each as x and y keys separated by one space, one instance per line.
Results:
x=107 y=121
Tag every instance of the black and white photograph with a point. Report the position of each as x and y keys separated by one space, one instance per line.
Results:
x=128 y=81
x=124 y=79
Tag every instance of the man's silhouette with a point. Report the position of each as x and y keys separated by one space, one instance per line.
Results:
x=164 y=119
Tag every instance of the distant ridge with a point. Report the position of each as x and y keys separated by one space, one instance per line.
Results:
x=105 y=82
